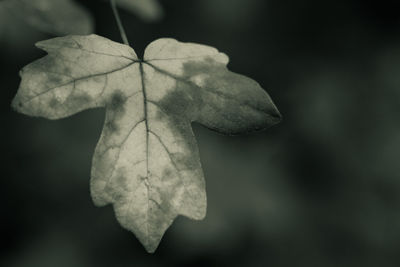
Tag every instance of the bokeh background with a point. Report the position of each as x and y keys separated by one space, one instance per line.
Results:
x=322 y=188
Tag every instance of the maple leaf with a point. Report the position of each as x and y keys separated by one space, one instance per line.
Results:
x=59 y=17
x=146 y=162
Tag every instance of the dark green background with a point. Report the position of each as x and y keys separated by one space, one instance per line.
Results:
x=322 y=188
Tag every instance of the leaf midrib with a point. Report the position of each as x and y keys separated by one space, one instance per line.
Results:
x=146 y=179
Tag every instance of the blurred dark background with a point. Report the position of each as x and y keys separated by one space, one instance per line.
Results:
x=322 y=188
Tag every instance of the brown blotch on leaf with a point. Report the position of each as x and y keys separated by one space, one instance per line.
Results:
x=111 y=126
x=122 y=182
x=167 y=173
x=231 y=103
x=53 y=79
x=53 y=103
x=79 y=101
x=115 y=111
x=117 y=101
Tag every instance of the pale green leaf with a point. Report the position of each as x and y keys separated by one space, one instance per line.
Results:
x=146 y=162
x=59 y=17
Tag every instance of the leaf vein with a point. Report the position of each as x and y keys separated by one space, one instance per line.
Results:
x=78 y=79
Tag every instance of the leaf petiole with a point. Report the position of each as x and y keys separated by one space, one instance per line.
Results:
x=117 y=18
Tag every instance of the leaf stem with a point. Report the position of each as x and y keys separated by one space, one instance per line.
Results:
x=117 y=18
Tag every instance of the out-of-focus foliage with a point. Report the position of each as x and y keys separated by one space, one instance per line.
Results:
x=147 y=10
x=24 y=22
x=58 y=17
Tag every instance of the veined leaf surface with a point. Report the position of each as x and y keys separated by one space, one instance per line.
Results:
x=146 y=162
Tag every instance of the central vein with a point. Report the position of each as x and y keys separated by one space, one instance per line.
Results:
x=146 y=179
x=145 y=113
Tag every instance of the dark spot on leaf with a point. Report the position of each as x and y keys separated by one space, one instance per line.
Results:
x=167 y=192
x=118 y=187
x=115 y=111
x=183 y=102
x=121 y=182
x=53 y=103
x=231 y=103
x=208 y=65
x=167 y=173
x=142 y=178
x=117 y=101
x=111 y=126
x=79 y=101
x=66 y=70
x=185 y=162
x=53 y=79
